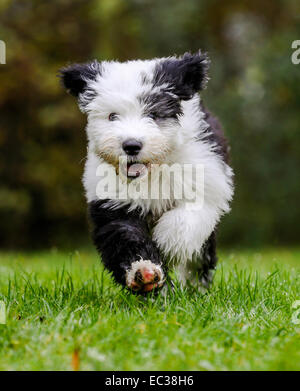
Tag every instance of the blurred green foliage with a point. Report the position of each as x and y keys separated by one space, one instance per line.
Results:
x=254 y=90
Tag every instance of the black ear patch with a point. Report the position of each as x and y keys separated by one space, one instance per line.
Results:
x=187 y=74
x=75 y=77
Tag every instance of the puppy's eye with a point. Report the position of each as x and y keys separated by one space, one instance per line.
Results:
x=152 y=116
x=112 y=116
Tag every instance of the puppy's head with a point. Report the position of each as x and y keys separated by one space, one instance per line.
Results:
x=134 y=108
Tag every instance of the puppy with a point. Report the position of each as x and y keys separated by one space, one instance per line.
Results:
x=157 y=178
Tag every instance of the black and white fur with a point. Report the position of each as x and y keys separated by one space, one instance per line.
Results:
x=157 y=103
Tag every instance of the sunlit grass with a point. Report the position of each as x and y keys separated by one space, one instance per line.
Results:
x=63 y=305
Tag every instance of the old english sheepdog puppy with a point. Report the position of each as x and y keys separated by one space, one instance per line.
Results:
x=157 y=178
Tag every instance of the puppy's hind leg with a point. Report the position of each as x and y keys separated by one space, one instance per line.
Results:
x=199 y=271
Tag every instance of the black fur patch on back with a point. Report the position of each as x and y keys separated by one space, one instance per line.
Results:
x=186 y=75
x=215 y=134
x=75 y=77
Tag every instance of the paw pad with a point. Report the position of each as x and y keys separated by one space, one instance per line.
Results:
x=144 y=276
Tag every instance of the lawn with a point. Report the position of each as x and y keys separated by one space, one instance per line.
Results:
x=63 y=312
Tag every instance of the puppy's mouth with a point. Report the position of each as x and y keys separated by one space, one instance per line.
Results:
x=135 y=170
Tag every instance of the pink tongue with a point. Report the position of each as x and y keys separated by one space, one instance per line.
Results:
x=135 y=170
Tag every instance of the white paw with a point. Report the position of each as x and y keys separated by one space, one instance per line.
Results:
x=144 y=276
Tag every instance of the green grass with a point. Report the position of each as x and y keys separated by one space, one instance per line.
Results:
x=64 y=312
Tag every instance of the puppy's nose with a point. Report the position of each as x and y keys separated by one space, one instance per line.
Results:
x=132 y=147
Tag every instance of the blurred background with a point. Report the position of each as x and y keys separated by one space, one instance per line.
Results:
x=254 y=90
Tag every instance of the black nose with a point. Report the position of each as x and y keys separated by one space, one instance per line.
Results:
x=132 y=147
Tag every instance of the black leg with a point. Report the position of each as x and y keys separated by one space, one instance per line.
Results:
x=122 y=238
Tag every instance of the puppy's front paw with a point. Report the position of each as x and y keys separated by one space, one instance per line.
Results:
x=144 y=276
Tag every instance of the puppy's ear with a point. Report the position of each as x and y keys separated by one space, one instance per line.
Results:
x=187 y=74
x=75 y=78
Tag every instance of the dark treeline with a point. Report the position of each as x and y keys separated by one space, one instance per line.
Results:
x=254 y=90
